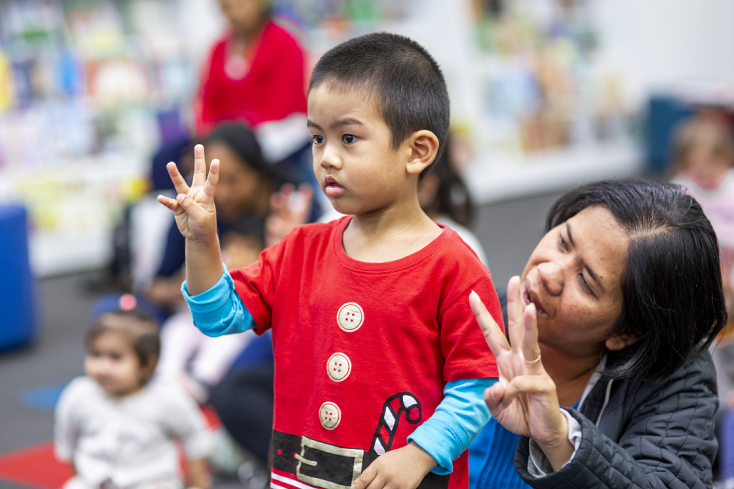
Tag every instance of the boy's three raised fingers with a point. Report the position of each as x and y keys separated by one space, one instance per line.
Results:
x=492 y=333
x=199 y=166
x=514 y=314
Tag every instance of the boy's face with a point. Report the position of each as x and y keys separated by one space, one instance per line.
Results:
x=113 y=364
x=354 y=161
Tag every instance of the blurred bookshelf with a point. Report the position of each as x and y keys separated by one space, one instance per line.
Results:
x=90 y=88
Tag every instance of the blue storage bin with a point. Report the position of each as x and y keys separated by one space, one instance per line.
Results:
x=17 y=304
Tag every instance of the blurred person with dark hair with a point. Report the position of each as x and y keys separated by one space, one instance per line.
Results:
x=116 y=426
x=611 y=319
x=445 y=198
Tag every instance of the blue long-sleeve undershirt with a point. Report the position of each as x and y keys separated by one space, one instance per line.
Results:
x=458 y=419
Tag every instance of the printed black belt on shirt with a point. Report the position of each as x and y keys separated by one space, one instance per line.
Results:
x=329 y=466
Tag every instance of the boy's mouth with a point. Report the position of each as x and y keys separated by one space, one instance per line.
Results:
x=332 y=187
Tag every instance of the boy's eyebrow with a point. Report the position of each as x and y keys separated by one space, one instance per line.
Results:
x=345 y=121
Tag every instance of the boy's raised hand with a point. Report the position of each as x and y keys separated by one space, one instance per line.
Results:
x=403 y=468
x=193 y=207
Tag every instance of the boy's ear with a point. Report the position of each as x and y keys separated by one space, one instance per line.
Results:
x=422 y=147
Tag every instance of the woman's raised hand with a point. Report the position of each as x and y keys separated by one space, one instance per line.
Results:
x=193 y=207
x=524 y=400
x=288 y=208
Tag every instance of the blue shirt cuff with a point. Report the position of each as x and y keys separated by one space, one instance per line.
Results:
x=456 y=423
x=219 y=310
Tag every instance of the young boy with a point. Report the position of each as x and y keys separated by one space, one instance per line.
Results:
x=370 y=313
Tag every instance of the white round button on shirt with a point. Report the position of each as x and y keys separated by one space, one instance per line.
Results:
x=350 y=317
x=338 y=367
x=329 y=415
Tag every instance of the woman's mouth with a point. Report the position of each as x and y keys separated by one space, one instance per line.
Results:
x=529 y=297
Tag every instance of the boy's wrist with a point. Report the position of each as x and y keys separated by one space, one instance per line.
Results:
x=422 y=459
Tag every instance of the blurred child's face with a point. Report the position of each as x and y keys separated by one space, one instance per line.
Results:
x=240 y=187
x=707 y=166
x=113 y=364
x=353 y=158
x=245 y=16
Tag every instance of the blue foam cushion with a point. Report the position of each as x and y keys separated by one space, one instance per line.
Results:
x=18 y=316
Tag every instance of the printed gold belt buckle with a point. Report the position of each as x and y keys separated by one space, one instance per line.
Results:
x=340 y=469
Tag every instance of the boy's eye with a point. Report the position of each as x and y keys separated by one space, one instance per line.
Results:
x=349 y=138
x=317 y=139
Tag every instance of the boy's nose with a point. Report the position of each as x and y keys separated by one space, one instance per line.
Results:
x=329 y=159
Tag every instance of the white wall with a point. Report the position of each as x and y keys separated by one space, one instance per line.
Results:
x=657 y=44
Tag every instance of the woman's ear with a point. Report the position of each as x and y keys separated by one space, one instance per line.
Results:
x=620 y=341
x=422 y=147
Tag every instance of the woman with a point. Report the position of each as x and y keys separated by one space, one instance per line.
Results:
x=612 y=315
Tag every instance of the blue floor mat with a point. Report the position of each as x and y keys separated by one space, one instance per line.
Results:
x=44 y=397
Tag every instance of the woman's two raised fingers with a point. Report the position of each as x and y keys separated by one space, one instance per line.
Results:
x=530 y=347
x=514 y=313
x=492 y=333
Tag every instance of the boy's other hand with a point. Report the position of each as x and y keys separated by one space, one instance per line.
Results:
x=193 y=207
x=288 y=208
x=403 y=468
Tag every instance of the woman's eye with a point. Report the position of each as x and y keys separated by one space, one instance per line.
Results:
x=585 y=284
x=349 y=139
x=317 y=139
x=562 y=242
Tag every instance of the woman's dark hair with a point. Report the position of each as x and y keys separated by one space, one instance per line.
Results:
x=672 y=294
x=452 y=197
x=139 y=328
x=242 y=141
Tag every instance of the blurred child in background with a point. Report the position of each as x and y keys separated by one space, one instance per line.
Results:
x=243 y=202
x=117 y=428
x=445 y=198
x=703 y=161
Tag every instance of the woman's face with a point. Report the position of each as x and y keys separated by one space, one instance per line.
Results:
x=240 y=187
x=574 y=278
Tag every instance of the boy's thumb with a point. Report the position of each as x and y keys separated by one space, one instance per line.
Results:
x=183 y=201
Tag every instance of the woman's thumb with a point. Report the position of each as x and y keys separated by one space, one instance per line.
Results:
x=493 y=396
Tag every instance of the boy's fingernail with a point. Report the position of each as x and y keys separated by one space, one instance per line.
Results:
x=180 y=197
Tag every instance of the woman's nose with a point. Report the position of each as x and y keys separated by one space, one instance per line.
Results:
x=551 y=276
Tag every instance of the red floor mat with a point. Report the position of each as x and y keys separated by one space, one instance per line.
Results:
x=35 y=467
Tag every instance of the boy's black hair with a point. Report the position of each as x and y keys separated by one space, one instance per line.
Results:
x=405 y=80
x=138 y=327
x=673 y=301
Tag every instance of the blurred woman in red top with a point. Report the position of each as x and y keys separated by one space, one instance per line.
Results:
x=254 y=74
